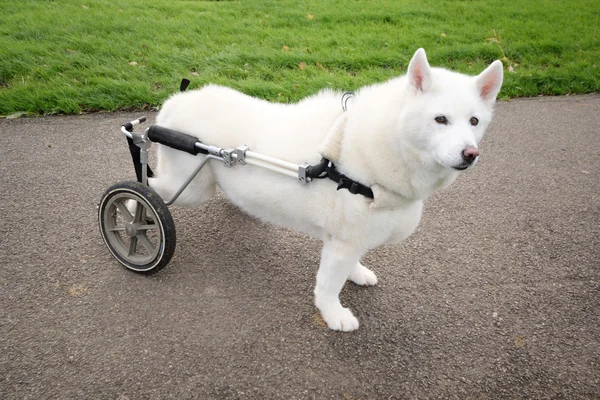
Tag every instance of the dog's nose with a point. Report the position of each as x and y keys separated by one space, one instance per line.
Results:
x=470 y=153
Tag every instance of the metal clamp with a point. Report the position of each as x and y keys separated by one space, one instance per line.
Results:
x=302 y=174
x=228 y=159
x=240 y=155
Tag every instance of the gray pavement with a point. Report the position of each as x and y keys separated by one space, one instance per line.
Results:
x=496 y=296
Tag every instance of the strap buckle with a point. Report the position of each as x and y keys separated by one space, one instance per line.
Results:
x=347 y=183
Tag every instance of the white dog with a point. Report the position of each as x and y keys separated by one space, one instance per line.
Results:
x=404 y=138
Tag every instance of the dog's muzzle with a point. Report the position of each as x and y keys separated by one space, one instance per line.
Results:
x=469 y=155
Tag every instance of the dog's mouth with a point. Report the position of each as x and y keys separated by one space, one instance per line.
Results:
x=457 y=165
x=465 y=165
x=462 y=167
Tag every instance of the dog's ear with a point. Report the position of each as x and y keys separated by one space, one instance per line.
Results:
x=489 y=81
x=419 y=71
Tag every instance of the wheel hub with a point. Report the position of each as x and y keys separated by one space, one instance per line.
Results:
x=130 y=230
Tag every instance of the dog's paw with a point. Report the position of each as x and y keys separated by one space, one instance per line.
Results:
x=339 y=318
x=362 y=275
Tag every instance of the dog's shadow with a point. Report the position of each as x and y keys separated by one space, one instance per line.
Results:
x=218 y=238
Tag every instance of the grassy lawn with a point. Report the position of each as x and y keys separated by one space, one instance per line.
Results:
x=68 y=56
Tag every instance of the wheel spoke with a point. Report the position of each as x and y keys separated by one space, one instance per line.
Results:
x=144 y=240
x=139 y=211
x=147 y=217
x=146 y=227
x=132 y=246
x=116 y=229
x=124 y=210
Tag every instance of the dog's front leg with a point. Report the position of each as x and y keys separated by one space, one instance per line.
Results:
x=337 y=261
x=362 y=275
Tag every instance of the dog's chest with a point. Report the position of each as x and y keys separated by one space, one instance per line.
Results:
x=383 y=226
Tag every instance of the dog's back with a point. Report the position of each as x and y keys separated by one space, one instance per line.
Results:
x=227 y=118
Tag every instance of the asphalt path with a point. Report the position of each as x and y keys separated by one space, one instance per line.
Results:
x=496 y=296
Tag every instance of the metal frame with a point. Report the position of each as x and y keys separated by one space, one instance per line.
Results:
x=230 y=157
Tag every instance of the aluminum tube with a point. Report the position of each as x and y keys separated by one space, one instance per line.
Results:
x=138 y=121
x=214 y=150
x=192 y=176
x=273 y=168
x=126 y=133
x=271 y=160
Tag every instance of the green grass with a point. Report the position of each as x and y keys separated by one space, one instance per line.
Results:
x=68 y=56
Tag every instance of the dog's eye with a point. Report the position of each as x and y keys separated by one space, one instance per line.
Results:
x=441 y=120
x=474 y=121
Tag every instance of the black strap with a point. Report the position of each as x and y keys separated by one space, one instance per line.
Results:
x=326 y=169
x=137 y=164
x=184 y=84
x=344 y=182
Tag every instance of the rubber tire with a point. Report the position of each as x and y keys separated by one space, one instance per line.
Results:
x=165 y=221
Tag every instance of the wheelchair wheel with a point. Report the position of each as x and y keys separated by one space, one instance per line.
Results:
x=137 y=226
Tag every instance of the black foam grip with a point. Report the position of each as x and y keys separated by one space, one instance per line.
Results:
x=174 y=139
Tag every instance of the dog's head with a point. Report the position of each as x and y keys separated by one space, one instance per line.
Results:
x=450 y=111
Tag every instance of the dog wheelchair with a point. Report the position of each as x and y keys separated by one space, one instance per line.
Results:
x=135 y=222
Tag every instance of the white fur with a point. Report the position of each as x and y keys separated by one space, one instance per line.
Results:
x=388 y=139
